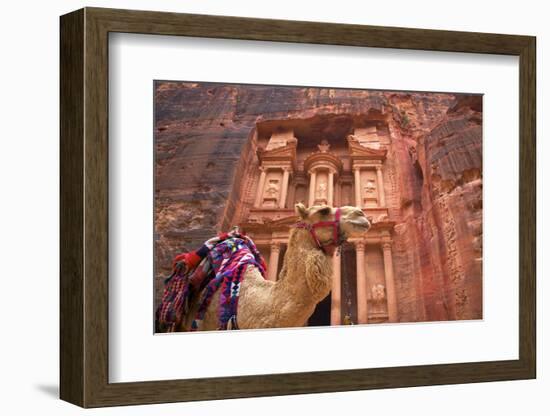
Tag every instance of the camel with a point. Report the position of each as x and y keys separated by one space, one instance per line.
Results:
x=305 y=278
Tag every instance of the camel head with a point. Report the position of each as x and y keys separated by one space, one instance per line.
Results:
x=353 y=221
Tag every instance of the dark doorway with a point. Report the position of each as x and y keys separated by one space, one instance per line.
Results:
x=348 y=271
x=321 y=315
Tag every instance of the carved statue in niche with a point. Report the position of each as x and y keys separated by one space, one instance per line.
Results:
x=322 y=190
x=370 y=187
x=272 y=190
x=378 y=292
x=324 y=147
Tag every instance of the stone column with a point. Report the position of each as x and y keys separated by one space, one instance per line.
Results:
x=291 y=194
x=336 y=293
x=284 y=191
x=312 y=176
x=273 y=262
x=390 y=283
x=330 y=198
x=337 y=194
x=381 y=195
x=362 y=312
x=260 y=190
x=358 y=202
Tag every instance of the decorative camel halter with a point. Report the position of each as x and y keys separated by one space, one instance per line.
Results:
x=336 y=240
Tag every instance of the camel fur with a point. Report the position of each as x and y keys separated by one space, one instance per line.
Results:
x=305 y=278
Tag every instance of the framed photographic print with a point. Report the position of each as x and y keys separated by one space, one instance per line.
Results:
x=254 y=207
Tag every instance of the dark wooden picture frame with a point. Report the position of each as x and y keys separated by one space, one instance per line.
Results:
x=84 y=207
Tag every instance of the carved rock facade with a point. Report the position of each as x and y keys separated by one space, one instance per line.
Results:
x=237 y=154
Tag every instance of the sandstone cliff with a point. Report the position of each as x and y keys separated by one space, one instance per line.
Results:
x=433 y=186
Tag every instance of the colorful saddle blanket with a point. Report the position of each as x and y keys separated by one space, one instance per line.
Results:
x=222 y=269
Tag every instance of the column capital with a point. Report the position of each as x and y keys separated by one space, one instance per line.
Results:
x=275 y=246
x=378 y=167
x=386 y=245
x=263 y=169
x=357 y=168
x=360 y=245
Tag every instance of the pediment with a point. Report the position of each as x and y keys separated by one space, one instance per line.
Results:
x=285 y=221
x=359 y=151
x=266 y=222
x=287 y=152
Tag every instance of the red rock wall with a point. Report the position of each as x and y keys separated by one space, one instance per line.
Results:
x=436 y=157
x=204 y=154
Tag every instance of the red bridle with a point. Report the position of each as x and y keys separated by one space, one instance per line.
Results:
x=336 y=229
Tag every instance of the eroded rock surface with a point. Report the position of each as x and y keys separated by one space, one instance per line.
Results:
x=433 y=177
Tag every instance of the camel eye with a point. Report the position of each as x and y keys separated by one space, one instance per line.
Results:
x=324 y=211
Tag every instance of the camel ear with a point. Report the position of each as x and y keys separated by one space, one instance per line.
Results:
x=301 y=210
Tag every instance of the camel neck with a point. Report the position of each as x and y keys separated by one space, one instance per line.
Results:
x=301 y=238
x=307 y=271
